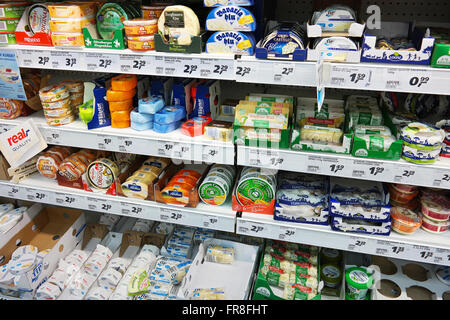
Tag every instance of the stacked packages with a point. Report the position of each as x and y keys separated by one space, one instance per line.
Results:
x=120 y=99
x=10 y=13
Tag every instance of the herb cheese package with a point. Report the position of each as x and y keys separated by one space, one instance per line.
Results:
x=230 y=18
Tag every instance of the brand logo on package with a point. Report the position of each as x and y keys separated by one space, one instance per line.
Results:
x=19 y=140
x=36 y=272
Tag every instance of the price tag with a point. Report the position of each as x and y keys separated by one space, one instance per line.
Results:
x=67 y=60
x=404 y=174
x=52 y=136
x=442 y=256
x=216 y=68
x=39 y=195
x=5 y=127
x=102 y=205
x=166 y=148
x=101 y=62
x=369 y=169
x=105 y=142
x=132 y=209
x=70 y=200
x=251 y=228
x=213 y=154
x=15 y=192
x=287 y=234
x=350 y=77
x=243 y=72
x=182 y=151
x=422 y=253
x=284 y=73
x=171 y=215
x=127 y=145
x=411 y=80
x=135 y=64
x=35 y=59
x=391 y=249
x=210 y=221
x=270 y=159
x=440 y=178
x=359 y=244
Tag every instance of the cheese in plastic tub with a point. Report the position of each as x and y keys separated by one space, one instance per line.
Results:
x=124 y=82
x=401 y=197
x=120 y=105
x=141 y=43
x=113 y=95
x=432 y=226
x=140 y=27
x=66 y=39
x=152 y=12
x=71 y=25
x=58 y=113
x=54 y=93
x=435 y=209
x=422 y=136
x=405 y=221
x=61 y=104
x=331 y=275
x=68 y=10
x=358 y=282
x=60 y=121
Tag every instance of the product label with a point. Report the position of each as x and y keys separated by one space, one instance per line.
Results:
x=174 y=19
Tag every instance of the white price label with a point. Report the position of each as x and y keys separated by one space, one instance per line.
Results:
x=105 y=142
x=405 y=174
x=132 y=209
x=15 y=192
x=127 y=145
x=284 y=73
x=5 y=127
x=35 y=59
x=350 y=77
x=410 y=80
x=440 y=178
x=70 y=200
x=287 y=234
x=214 y=68
x=243 y=72
x=171 y=215
x=191 y=68
x=251 y=228
x=271 y=159
x=102 y=205
x=370 y=169
x=135 y=64
x=358 y=244
x=102 y=62
x=182 y=151
x=213 y=154
x=391 y=249
x=66 y=60
x=39 y=195
x=53 y=136
x=442 y=256
x=166 y=148
x=422 y=253
x=210 y=221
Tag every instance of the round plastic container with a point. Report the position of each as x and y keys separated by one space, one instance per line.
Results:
x=434 y=210
x=432 y=226
x=358 y=283
x=405 y=221
x=400 y=196
x=412 y=205
x=144 y=43
x=330 y=255
x=331 y=275
x=140 y=27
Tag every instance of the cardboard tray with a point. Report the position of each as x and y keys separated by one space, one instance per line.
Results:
x=235 y=278
x=58 y=229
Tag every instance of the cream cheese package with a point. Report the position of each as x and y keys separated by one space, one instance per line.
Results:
x=231 y=42
x=218 y=3
x=336 y=44
x=230 y=18
x=336 y=18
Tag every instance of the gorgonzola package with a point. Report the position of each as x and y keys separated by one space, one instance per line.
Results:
x=230 y=18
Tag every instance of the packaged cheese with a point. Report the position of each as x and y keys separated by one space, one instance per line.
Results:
x=179 y=24
x=141 y=43
x=69 y=10
x=140 y=27
x=219 y=254
x=231 y=42
x=72 y=25
x=323 y=135
x=10 y=108
x=112 y=95
x=230 y=18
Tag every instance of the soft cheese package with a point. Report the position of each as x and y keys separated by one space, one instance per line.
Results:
x=231 y=42
x=230 y=18
x=179 y=23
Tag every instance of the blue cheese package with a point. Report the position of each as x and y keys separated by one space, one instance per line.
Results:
x=231 y=42
x=218 y=3
x=284 y=39
x=230 y=18
x=170 y=114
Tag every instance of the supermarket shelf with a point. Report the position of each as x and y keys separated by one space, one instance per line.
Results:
x=40 y=189
x=401 y=171
x=421 y=246
x=173 y=145
x=360 y=76
x=205 y=66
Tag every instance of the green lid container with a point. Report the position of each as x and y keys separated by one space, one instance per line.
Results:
x=110 y=18
x=358 y=282
x=331 y=274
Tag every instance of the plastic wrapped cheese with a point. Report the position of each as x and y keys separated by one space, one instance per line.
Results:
x=220 y=254
x=322 y=135
x=208 y=294
x=179 y=23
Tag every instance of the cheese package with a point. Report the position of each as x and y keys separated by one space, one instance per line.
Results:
x=120 y=105
x=102 y=173
x=54 y=93
x=137 y=117
x=322 y=135
x=208 y=293
x=283 y=39
x=378 y=138
x=152 y=12
x=219 y=254
x=151 y=105
x=335 y=43
x=110 y=19
x=170 y=114
x=179 y=24
x=72 y=25
x=261 y=116
x=195 y=127
x=10 y=109
x=140 y=27
x=48 y=164
x=12 y=10
x=8 y=25
x=219 y=130
x=141 y=43
x=68 y=10
x=66 y=39
x=231 y=42
x=124 y=82
x=336 y=18
x=112 y=95
x=230 y=18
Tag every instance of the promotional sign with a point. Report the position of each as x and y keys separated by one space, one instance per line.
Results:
x=11 y=86
x=21 y=143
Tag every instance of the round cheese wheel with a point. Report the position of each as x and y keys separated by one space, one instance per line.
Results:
x=179 y=22
x=124 y=82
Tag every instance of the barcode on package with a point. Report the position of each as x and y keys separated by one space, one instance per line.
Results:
x=2 y=26
x=3 y=38
x=2 y=13
x=392 y=84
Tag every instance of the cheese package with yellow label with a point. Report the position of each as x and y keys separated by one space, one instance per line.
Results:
x=230 y=18
x=231 y=42
x=262 y=116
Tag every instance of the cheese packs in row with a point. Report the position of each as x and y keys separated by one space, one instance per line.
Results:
x=137 y=185
x=179 y=187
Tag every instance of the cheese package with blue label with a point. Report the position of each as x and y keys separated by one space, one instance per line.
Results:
x=230 y=18
x=170 y=114
x=137 y=117
x=100 y=114
x=165 y=128
x=181 y=94
x=284 y=39
x=160 y=86
x=142 y=126
x=206 y=96
x=231 y=42
x=218 y=3
x=151 y=105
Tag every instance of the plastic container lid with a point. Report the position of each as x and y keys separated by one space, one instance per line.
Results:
x=358 y=278
x=330 y=255
x=139 y=22
x=331 y=274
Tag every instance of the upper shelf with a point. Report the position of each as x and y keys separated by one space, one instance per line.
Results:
x=361 y=76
